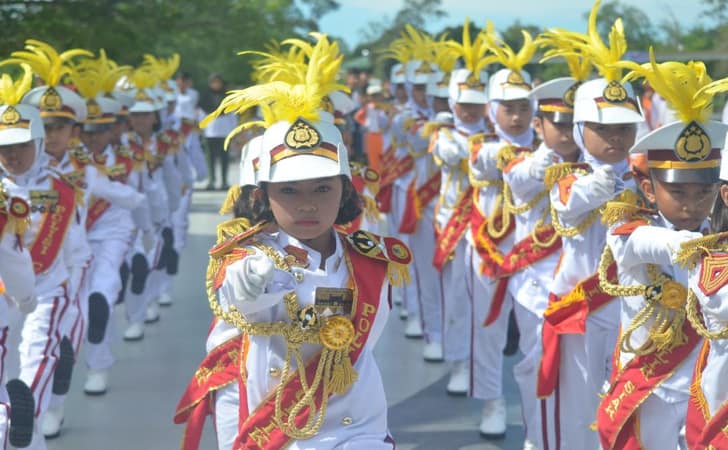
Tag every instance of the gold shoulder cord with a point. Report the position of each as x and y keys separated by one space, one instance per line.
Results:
x=334 y=372
x=665 y=306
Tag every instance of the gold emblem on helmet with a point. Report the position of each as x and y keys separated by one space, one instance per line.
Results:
x=93 y=109
x=570 y=94
x=10 y=116
x=472 y=82
x=693 y=143
x=327 y=105
x=445 y=82
x=424 y=69
x=141 y=96
x=615 y=92
x=51 y=100
x=516 y=79
x=302 y=136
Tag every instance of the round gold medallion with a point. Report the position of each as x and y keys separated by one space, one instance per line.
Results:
x=399 y=251
x=674 y=295
x=302 y=136
x=51 y=100
x=19 y=208
x=337 y=333
x=93 y=109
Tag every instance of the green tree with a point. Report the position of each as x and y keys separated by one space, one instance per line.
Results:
x=206 y=34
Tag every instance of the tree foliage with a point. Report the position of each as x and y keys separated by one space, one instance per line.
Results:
x=207 y=34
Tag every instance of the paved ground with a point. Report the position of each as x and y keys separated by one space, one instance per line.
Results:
x=150 y=376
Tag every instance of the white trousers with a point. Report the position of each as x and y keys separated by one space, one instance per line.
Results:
x=227 y=404
x=136 y=304
x=408 y=292
x=457 y=308
x=422 y=245
x=104 y=278
x=4 y=399
x=660 y=423
x=39 y=350
x=180 y=221
x=526 y=371
x=486 y=366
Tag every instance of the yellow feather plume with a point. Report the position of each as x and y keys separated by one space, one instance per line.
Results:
x=687 y=87
x=399 y=50
x=45 y=61
x=472 y=51
x=507 y=56
x=420 y=43
x=86 y=80
x=604 y=58
x=443 y=55
x=562 y=43
x=144 y=77
x=11 y=92
x=324 y=62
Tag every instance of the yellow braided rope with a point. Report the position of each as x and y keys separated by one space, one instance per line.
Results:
x=697 y=324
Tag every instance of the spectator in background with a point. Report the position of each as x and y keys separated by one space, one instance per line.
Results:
x=217 y=130
x=188 y=96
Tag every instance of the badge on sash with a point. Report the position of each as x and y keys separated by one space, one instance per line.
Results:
x=334 y=301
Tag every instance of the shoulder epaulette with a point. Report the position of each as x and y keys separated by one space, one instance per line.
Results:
x=240 y=238
x=558 y=171
x=386 y=249
x=628 y=228
x=626 y=207
x=509 y=152
x=80 y=155
x=692 y=251
x=369 y=176
x=429 y=128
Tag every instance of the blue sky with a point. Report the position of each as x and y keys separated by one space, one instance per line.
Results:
x=354 y=15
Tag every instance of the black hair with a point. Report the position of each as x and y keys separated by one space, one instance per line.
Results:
x=184 y=75
x=257 y=207
x=719 y=216
x=157 y=123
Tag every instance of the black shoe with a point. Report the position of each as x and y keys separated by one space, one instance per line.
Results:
x=22 y=413
x=139 y=273
x=124 y=273
x=513 y=336
x=210 y=187
x=64 y=369
x=98 y=317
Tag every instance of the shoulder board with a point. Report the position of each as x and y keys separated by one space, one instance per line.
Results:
x=430 y=128
x=626 y=206
x=80 y=155
x=75 y=178
x=628 y=228
x=509 y=152
x=558 y=171
x=691 y=251
x=381 y=248
x=234 y=241
x=234 y=255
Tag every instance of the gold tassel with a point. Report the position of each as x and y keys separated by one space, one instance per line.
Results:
x=691 y=251
x=505 y=155
x=398 y=274
x=429 y=129
x=371 y=212
x=230 y=228
x=373 y=186
x=558 y=171
x=575 y=295
x=18 y=226
x=233 y=194
x=618 y=211
x=343 y=374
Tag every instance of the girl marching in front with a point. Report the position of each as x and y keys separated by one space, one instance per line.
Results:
x=312 y=303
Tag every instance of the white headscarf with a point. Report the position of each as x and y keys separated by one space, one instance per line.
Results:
x=620 y=168
x=40 y=160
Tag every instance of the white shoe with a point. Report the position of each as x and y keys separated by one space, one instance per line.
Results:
x=152 y=313
x=459 y=378
x=96 y=382
x=493 y=419
x=165 y=300
x=403 y=314
x=52 y=421
x=433 y=352
x=134 y=332
x=528 y=445
x=413 y=329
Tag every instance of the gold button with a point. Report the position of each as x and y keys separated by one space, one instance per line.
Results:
x=347 y=421
x=298 y=276
x=274 y=372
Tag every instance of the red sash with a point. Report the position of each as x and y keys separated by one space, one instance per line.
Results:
x=220 y=368
x=398 y=168
x=168 y=142
x=53 y=228
x=526 y=252
x=567 y=315
x=486 y=245
x=617 y=422
x=259 y=431
x=384 y=198
x=409 y=218
x=454 y=230
x=428 y=191
x=417 y=200
x=703 y=431
x=187 y=127
x=97 y=209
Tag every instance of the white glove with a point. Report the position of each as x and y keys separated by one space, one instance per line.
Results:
x=27 y=305
x=604 y=181
x=149 y=240
x=256 y=274
x=450 y=154
x=539 y=164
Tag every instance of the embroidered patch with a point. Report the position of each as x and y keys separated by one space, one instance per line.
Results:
x=713 y=273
